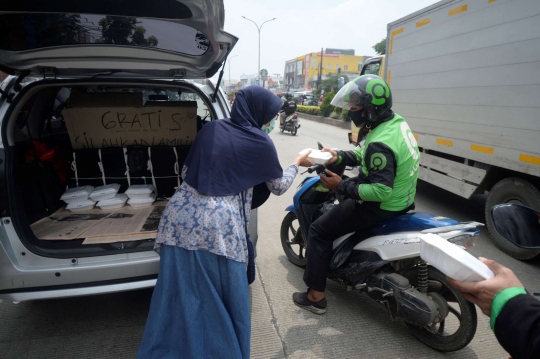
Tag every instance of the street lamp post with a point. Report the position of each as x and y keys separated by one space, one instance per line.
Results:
x=259 y=29
x=230 y=58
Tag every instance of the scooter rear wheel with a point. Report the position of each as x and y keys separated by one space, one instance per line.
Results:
x=294 y=131
x=292 y=240
x=457 y=330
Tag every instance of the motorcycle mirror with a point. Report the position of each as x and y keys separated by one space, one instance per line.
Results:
x=351 y=141
x=518 y=224
x=320 y=145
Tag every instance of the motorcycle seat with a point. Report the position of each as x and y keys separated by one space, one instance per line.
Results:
x=412 y=221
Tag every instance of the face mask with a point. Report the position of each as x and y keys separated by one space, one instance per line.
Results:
x=356 y=117
x=269 y=128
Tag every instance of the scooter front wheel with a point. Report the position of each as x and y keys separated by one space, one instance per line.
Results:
x=292 y=240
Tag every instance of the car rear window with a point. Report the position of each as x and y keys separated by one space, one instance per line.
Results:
x=27 y=31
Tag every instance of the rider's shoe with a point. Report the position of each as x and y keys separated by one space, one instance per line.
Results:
x=301 y=299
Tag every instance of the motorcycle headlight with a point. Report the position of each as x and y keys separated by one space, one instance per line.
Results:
x=465 y=239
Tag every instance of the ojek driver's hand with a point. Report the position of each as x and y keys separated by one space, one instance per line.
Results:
x=334 y=155
x=331 y=181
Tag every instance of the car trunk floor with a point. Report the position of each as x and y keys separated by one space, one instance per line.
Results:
x=101 y=226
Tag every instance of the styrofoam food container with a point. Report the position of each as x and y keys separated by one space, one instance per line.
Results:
x=453 y=261
x=117 y=201
x=76 y=194
x=140 y=190
x=104 y=192
x=142 y=202
x=78 y=206
x=317 y=156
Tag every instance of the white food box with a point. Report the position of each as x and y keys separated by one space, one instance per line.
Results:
x=318 y=157
x=77 y=194
x=452 y=260
x=140 y=191
x=78 y=206
x=104 y=192
x=142 y=202
x=117 y=201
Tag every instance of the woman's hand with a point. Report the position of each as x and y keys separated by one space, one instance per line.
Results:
x=482 y=293
x=303 y=160
x=334 y=158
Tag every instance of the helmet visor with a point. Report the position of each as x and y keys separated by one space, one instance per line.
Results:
x=349 y=96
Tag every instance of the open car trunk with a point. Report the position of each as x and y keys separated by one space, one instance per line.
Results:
x=67 y=136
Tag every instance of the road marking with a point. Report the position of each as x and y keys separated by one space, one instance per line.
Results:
x=490 y=1
x=422 y=23
x=394 y=33
x=529 y=159
x=389 y=74
x=458 y=10
x=448 y=143
x=483 y=149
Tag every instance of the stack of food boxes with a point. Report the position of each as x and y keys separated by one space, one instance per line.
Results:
x=77 y=198
x=141 y=195
x=85 y=198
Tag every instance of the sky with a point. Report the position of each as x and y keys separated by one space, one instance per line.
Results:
x=305 y=26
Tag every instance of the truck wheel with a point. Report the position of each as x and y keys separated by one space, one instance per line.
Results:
x=512 y=190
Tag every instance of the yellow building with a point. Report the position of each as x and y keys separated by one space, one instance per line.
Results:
x=303 y=71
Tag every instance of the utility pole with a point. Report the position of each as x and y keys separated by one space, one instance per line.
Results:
x=230 y=58
x=259 y=29
x=319 y=80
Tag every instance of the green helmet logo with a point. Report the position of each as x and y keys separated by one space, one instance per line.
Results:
x=379 y=91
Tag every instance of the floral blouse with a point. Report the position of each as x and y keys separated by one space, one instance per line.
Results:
x=194 y=221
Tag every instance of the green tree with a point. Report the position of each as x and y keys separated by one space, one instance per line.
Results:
x=152 y=41
x=138 y=36
x=380 y=47
x=117 y=29
x=329 y=84
x=122 y=30
x=326 y=108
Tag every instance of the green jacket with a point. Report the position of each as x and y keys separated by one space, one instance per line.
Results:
x=389 y=160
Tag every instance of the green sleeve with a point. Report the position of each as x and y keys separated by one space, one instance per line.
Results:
x=358 y=152
x=374 y=192
x=500 y=301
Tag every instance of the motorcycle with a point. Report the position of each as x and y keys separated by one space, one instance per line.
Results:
x=292 y=124
x=384 y=262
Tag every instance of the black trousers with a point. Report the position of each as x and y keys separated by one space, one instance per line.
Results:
x=348 y=216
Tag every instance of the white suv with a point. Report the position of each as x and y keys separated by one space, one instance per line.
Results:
x=53 y=50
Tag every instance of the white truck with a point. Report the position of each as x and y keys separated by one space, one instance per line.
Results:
x=466 y=76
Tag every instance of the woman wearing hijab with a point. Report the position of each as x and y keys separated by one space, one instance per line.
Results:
x=200 y=305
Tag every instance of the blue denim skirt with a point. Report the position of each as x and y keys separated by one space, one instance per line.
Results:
x=199 y=309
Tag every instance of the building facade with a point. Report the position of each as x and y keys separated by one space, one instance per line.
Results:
x=302 y=72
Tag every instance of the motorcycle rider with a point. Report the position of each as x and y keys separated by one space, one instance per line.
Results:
x=385 y=187
x=287 y=109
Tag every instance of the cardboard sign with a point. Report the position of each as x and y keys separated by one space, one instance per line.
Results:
x=119 y=120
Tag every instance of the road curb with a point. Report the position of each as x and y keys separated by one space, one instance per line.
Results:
x=329 y=121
